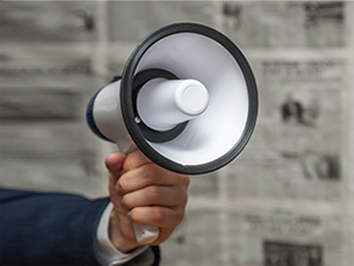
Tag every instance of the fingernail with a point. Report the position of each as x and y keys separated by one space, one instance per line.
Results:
x=122 y=204
x=118 y=190
x=129 y=214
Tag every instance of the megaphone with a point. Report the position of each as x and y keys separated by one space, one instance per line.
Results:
x=187 y=98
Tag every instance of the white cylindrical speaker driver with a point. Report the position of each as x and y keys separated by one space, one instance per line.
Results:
x=163 y=104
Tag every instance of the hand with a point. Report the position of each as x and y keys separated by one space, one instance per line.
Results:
x=144 y=193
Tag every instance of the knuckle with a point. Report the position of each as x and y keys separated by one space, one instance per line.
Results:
x=134 y=215
x=125 y=203
x=185 y=180
x=122 y=184
x=150 y=171
x=158 y=215
x=179 y=216
x=128 y=164
x=184 y=199
x=153 y=194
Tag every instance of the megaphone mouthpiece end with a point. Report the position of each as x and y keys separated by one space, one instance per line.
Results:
x=192 y=98
x=90 y=119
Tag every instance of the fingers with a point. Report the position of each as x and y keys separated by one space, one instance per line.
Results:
x=161 y=217
x=135 y=160
x=169 y=197
x=150 y=194
x=166 y=219
x=146 y=175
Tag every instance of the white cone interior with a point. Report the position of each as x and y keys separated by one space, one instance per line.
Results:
x=163 y=104
x=219 y=128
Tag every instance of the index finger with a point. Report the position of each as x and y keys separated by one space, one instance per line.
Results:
x=135 y=160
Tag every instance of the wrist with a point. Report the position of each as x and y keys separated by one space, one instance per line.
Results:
x=107 y=253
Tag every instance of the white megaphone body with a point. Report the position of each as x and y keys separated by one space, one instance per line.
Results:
x=187 y=99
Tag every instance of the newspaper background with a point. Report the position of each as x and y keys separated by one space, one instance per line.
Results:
x=287 y=200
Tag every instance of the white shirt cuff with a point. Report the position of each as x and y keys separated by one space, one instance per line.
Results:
x=108 y=254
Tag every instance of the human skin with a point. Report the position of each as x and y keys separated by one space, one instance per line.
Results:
x=144 y=193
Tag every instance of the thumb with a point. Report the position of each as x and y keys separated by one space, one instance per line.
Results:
x=114 y=163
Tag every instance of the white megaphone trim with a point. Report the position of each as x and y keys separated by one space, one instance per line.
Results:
x=106 y=117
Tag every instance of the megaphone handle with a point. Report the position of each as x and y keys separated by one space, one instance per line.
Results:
x=145 y=234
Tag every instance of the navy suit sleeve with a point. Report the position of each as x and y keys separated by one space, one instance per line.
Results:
x=48 y=229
